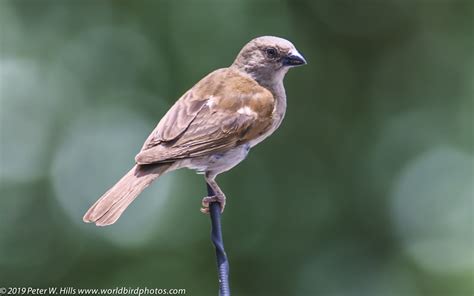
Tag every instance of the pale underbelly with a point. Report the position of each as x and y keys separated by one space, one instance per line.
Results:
x=217 y=163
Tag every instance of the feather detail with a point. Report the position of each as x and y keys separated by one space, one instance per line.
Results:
x=224 y=109
x=111 y=205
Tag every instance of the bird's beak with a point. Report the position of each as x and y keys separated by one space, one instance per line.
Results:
x=294 y=58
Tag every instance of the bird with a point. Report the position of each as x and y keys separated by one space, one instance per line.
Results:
x=212 y=127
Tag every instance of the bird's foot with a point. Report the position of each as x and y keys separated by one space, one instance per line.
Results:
x=215 y=198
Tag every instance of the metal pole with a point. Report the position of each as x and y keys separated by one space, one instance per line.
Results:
x=216 y=237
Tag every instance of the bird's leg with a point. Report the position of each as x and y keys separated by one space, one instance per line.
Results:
x=218 y=196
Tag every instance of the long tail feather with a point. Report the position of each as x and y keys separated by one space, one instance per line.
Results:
x=111 y=205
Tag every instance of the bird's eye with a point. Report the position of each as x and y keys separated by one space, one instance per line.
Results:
x=271 y=52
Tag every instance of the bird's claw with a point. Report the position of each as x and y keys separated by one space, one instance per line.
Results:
x=206 y=201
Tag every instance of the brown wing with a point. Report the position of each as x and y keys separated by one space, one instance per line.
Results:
x=222 y=110
x=176 y=120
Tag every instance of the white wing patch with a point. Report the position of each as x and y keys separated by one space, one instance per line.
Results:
x=247 y=111
x=210 y=102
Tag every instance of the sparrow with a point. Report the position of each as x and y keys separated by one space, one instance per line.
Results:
x=212 y=127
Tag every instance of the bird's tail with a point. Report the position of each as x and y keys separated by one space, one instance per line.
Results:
x=111 y=205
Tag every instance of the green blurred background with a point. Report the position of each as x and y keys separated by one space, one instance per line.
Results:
x=366 y=189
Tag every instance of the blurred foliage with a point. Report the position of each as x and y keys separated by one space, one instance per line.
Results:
x=366 y=189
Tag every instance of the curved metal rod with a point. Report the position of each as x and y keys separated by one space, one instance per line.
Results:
x=217 y=240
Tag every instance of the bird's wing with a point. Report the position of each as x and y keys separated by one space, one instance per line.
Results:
x=221 y=111
x=176 y=120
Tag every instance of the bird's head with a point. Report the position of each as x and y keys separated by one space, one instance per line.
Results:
x=267 y=59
